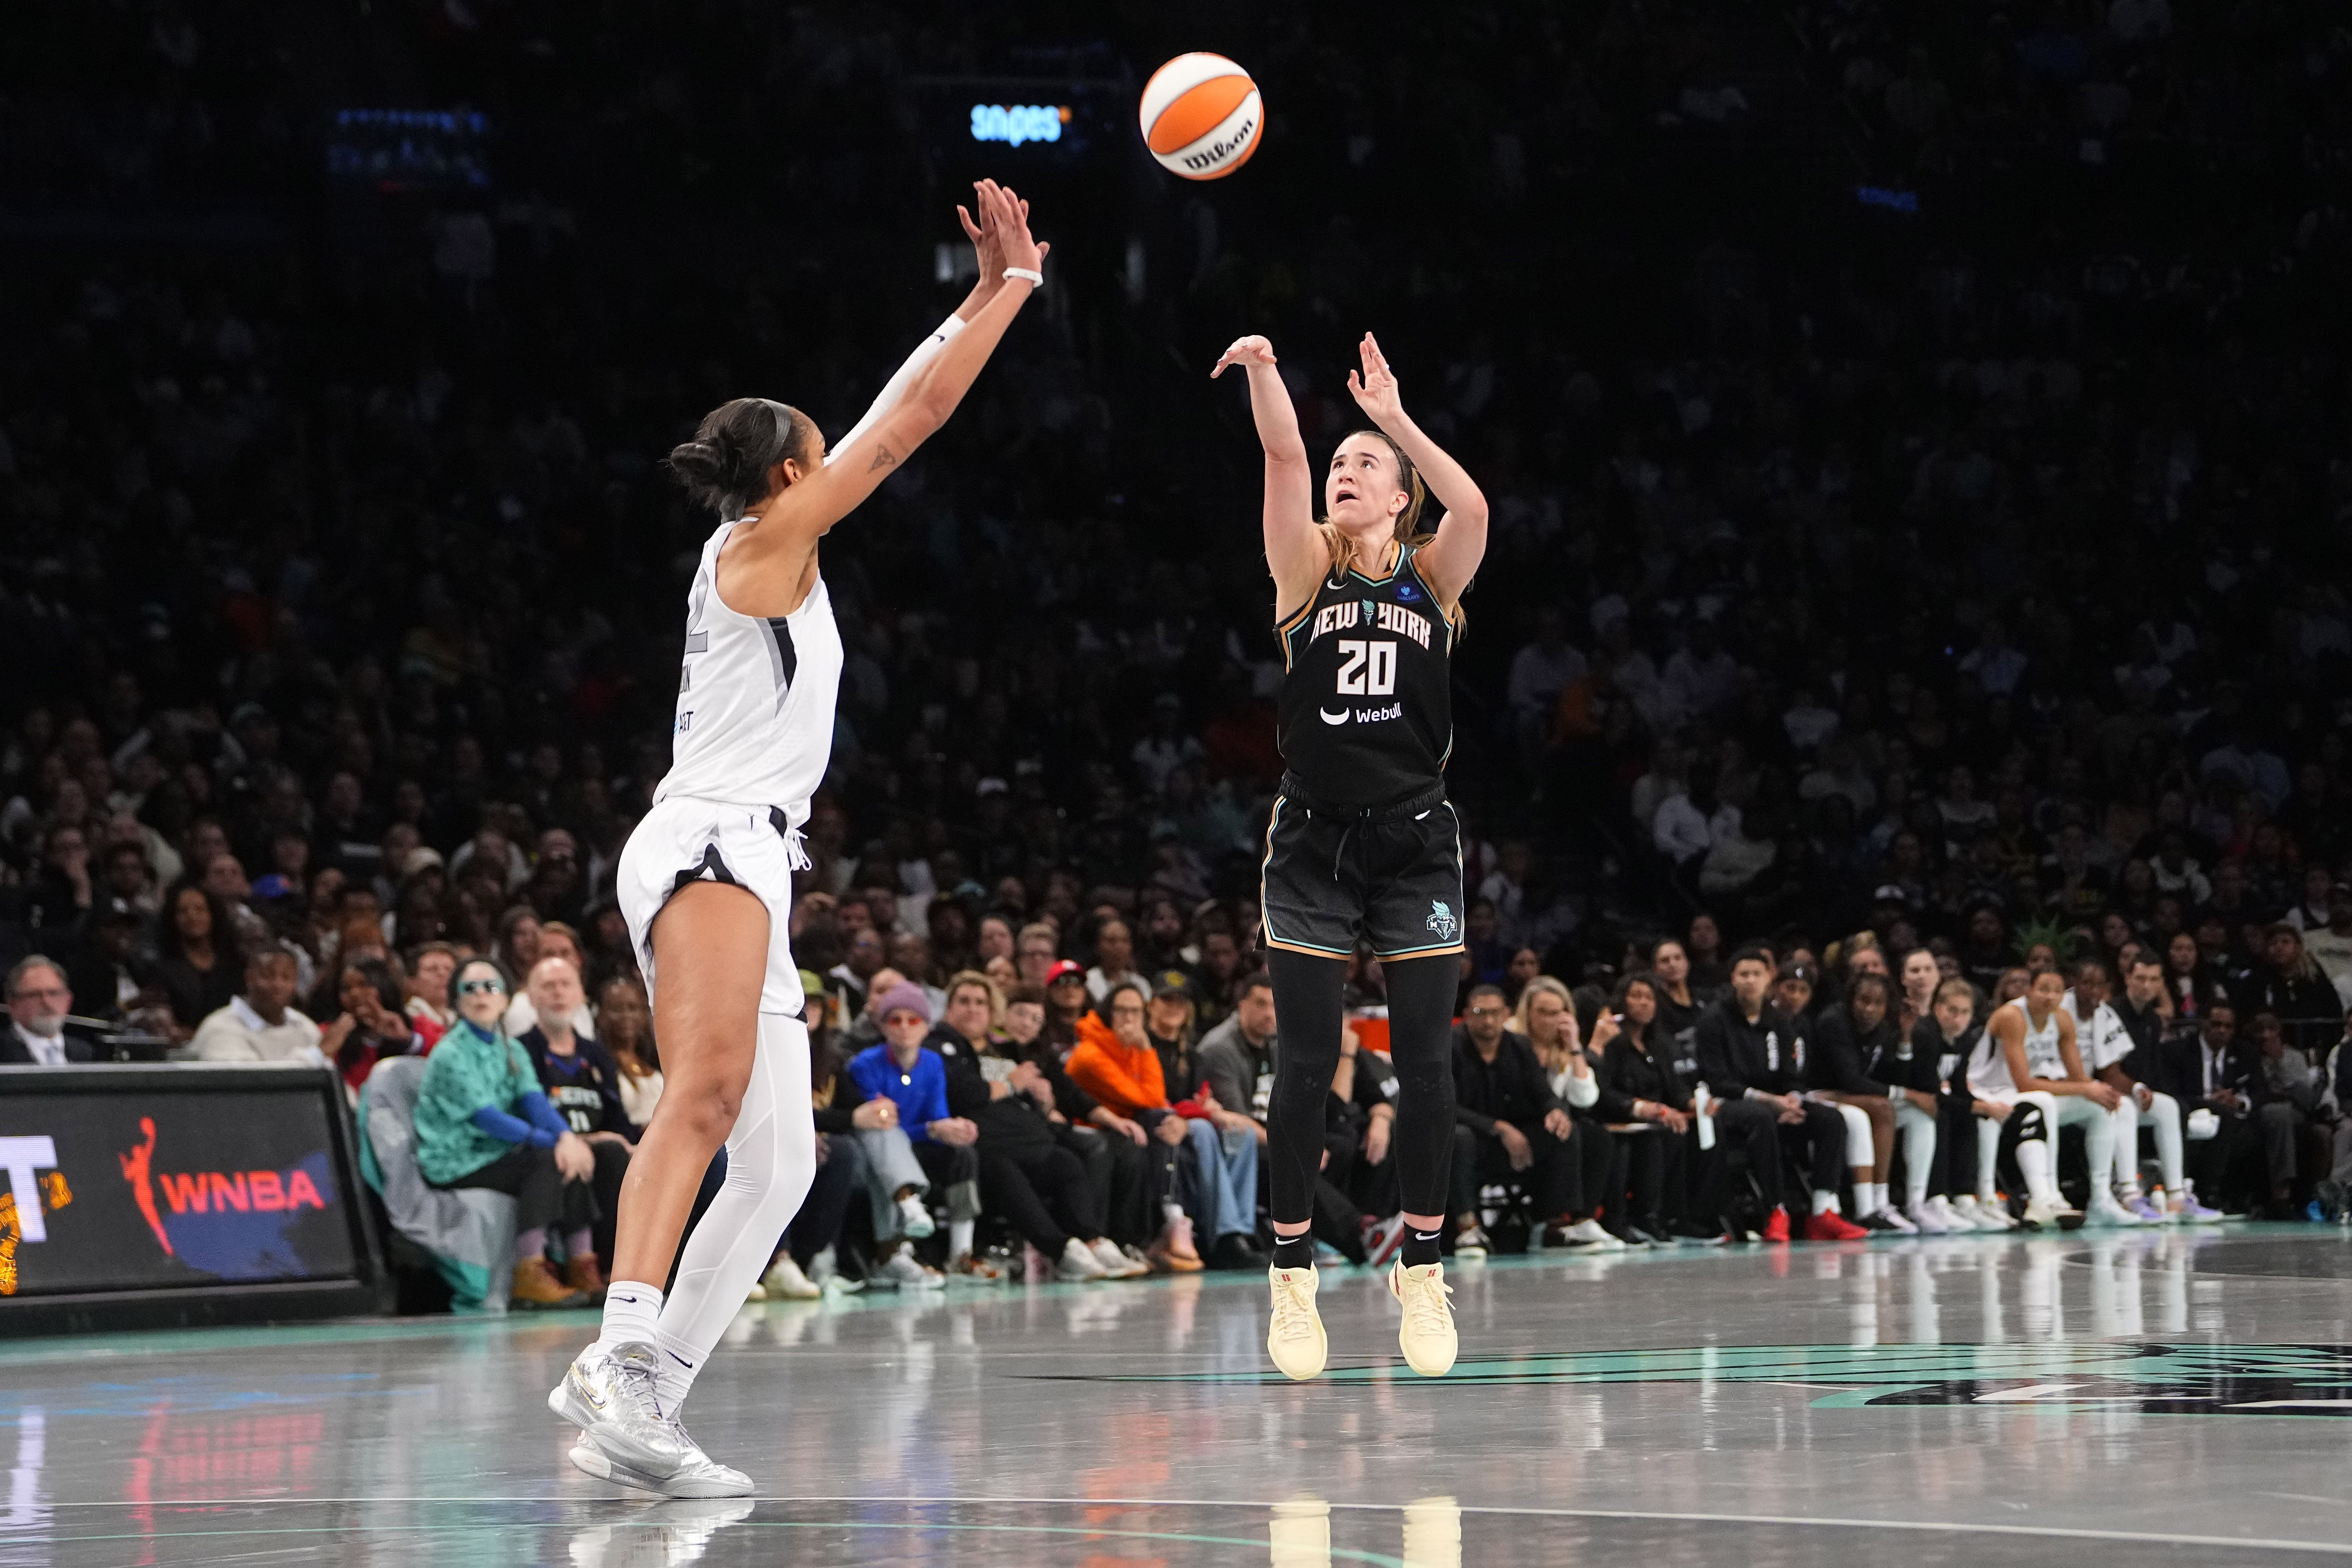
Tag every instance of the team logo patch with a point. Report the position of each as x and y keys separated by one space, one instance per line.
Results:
x=1442 y=920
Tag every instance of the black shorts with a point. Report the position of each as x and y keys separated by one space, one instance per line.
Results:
x=1390 y=876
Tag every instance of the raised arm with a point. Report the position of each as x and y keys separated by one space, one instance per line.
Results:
x=988 y=249
x=1448 y=562
x=1295 y=550
x=795 y=517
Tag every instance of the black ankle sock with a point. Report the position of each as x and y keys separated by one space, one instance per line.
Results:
x=1295 y=1252
x=1421 y=1247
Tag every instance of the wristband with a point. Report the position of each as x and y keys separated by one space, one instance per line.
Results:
x=1029 y=274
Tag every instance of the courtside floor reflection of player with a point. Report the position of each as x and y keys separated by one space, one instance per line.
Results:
x=1362 y=839
x=706 y=881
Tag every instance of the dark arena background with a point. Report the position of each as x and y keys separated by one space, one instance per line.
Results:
x=1917 y=451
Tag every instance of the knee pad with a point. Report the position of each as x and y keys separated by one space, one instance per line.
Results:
x=2027 y=1123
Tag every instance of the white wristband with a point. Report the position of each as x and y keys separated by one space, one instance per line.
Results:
x=1034 y=277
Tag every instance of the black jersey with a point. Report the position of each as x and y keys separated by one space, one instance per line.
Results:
x=1367 y=712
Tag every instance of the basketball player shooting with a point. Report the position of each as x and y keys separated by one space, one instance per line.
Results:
x=1363 y=843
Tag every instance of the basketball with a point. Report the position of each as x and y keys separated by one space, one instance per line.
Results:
x=1201 y=116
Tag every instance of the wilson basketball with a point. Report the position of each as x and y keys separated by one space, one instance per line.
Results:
x=1202 y=116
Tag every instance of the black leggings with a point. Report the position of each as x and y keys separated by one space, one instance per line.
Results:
x=1421 y=1025
x=1044 y=1191
x=541 y=1196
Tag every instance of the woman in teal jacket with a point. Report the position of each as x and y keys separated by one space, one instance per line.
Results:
x=482 y=1121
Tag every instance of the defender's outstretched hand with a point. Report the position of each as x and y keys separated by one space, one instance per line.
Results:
x=1251 y=350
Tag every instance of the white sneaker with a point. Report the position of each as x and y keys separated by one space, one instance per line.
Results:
x=785 y=1282
x=904 y=1271
x=1116 y=1264
x=1470 y=1242
x=609 y=1394
x=699 y=1477
x=1923 y=1219
x=1427 y=1336
x=1587 y=1235
x=2051 y=1214
x=1078 y=1263
x=1944 y=1214
x=1989 y=1214
x=1294 y=1337
x=915 y=1220
x=2106 y=1210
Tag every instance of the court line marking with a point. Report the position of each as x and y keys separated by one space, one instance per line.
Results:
x=2062 y=1533
x=1332 y=1554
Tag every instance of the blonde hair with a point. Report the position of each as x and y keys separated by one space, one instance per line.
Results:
x=1408 y=533
x=1550 y=987
x=987 y=983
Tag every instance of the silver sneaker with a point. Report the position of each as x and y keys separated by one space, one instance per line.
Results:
x=699 y=1477
x=609 y=1395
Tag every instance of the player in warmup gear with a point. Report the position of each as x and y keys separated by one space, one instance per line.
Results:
x=706 y=881
x=2109 y=1051
x=2029 y=1071
x=1363 y=841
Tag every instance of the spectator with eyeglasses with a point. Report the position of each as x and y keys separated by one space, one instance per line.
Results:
x=39 y=1001
x=482 y=1121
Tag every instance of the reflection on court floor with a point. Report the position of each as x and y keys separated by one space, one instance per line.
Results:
x=1963 y=1400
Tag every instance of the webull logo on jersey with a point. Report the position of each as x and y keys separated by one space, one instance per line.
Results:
x=1374 y=613
x=1362 y=715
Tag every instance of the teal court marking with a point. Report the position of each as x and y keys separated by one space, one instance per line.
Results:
x=2159 y=1378
x=1254 y=1543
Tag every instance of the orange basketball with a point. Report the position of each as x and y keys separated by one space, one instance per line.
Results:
x=1202 y=117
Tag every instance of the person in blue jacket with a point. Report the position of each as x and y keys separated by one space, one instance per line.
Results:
x=482 y=1121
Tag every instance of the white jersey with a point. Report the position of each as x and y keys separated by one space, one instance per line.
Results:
x=2101 y=1040
x=1989 y=1076
x=755 y=699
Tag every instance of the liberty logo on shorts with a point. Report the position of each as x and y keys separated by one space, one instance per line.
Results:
x=1442 y=920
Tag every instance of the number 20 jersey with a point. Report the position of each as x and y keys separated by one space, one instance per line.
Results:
x=1367 y=712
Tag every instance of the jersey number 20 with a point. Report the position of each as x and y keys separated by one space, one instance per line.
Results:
x=1367 y=669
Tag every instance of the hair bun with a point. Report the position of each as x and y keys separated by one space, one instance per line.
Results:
x=726 y=466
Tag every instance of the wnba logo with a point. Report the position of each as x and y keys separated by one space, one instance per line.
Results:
x=215 y=1192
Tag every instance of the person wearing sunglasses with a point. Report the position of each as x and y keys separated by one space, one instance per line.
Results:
x=482 y=1121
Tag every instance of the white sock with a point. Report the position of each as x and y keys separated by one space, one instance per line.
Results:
x=681 y=1363
x=1171 y=1212
x=1826 y=1202
x=1877 y=1196
x=958 y=1238
x=2033 y=1159
x=631 y=1310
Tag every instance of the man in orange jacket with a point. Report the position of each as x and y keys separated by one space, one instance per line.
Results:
x=1114 y=1062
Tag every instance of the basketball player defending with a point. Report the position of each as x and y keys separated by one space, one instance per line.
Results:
x=1364 y=841
x=707 y=879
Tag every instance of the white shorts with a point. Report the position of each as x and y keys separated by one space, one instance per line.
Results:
x=684 y=840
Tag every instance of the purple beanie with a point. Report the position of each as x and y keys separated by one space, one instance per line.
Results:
x=906 y=994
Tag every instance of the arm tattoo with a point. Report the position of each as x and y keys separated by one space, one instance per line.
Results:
x=883 y=458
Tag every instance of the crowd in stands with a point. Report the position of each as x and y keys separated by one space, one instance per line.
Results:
x=1974 y=591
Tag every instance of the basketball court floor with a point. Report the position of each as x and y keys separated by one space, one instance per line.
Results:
x=2098 y=1398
